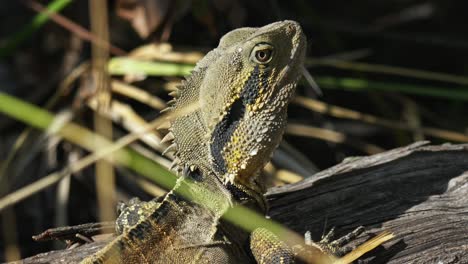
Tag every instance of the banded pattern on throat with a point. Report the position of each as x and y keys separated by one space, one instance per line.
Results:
x=222 y=133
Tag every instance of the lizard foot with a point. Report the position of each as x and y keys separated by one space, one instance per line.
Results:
x=266 y=247
x=335 y=247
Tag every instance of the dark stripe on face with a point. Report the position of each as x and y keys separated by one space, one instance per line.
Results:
x=224 y=130
x=250 y=91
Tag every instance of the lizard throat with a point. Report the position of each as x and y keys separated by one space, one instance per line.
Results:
x=223 y=132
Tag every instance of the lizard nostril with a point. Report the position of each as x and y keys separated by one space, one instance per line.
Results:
x=292 y=28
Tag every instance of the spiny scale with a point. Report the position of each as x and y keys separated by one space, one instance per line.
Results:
x=171 y=148
x=166 y=124
x=174 y=164
x=168 y=137
x=171 y=102
x=165 y=110
x=174 y=93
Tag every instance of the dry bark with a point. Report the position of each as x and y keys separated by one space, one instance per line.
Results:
x=419 y=192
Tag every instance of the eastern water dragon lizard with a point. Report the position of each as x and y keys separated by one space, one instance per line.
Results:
x=241 y=91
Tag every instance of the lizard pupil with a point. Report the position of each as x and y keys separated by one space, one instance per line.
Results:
x=263 y=55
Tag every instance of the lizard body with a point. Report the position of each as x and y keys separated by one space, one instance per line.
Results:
x=241 y=91
x=176 y=230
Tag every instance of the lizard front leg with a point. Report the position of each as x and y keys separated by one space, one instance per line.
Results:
x=266 y=247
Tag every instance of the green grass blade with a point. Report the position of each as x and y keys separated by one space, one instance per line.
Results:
x=123 y=65
x=391 y=70
x=39 y=118
x=44 y=120
x=356 y=84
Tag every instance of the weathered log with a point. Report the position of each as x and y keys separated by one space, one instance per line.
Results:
x=419 y=192
x=74 y=255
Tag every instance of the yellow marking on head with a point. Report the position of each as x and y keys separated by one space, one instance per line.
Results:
x=235 y=155
x=239 y=88
x=263 y=89
x=234 y=160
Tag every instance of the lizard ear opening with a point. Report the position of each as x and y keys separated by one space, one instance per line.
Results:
x=193 y=173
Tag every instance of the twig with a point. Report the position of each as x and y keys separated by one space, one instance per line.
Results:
x=80 y=31
x=332 y=136
x=341 y=112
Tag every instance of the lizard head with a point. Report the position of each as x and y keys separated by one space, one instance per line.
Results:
x=249 y=81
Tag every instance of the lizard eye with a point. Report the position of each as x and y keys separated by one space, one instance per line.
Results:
x=262 y=53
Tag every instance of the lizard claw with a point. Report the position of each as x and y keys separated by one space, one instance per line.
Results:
x=336 y=247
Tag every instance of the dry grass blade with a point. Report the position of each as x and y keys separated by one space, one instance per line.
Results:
x=25 y=192
x=341 y=112
x=78 y=30
x=290 y=158
x=9 y=225
x=8 y=46
x=124 y=115
x=288 y=176
x=11 y=155
x=311 y=81
x=105 y=176
x=151 y=188
x=165 y=52
x=399 y=71
x=137 y=94
x=53 y=178
x=331 y=136
x=366 y=247
x=63 y=89
x=344 y=56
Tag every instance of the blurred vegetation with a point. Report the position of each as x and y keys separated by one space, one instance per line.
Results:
x=391 y=72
